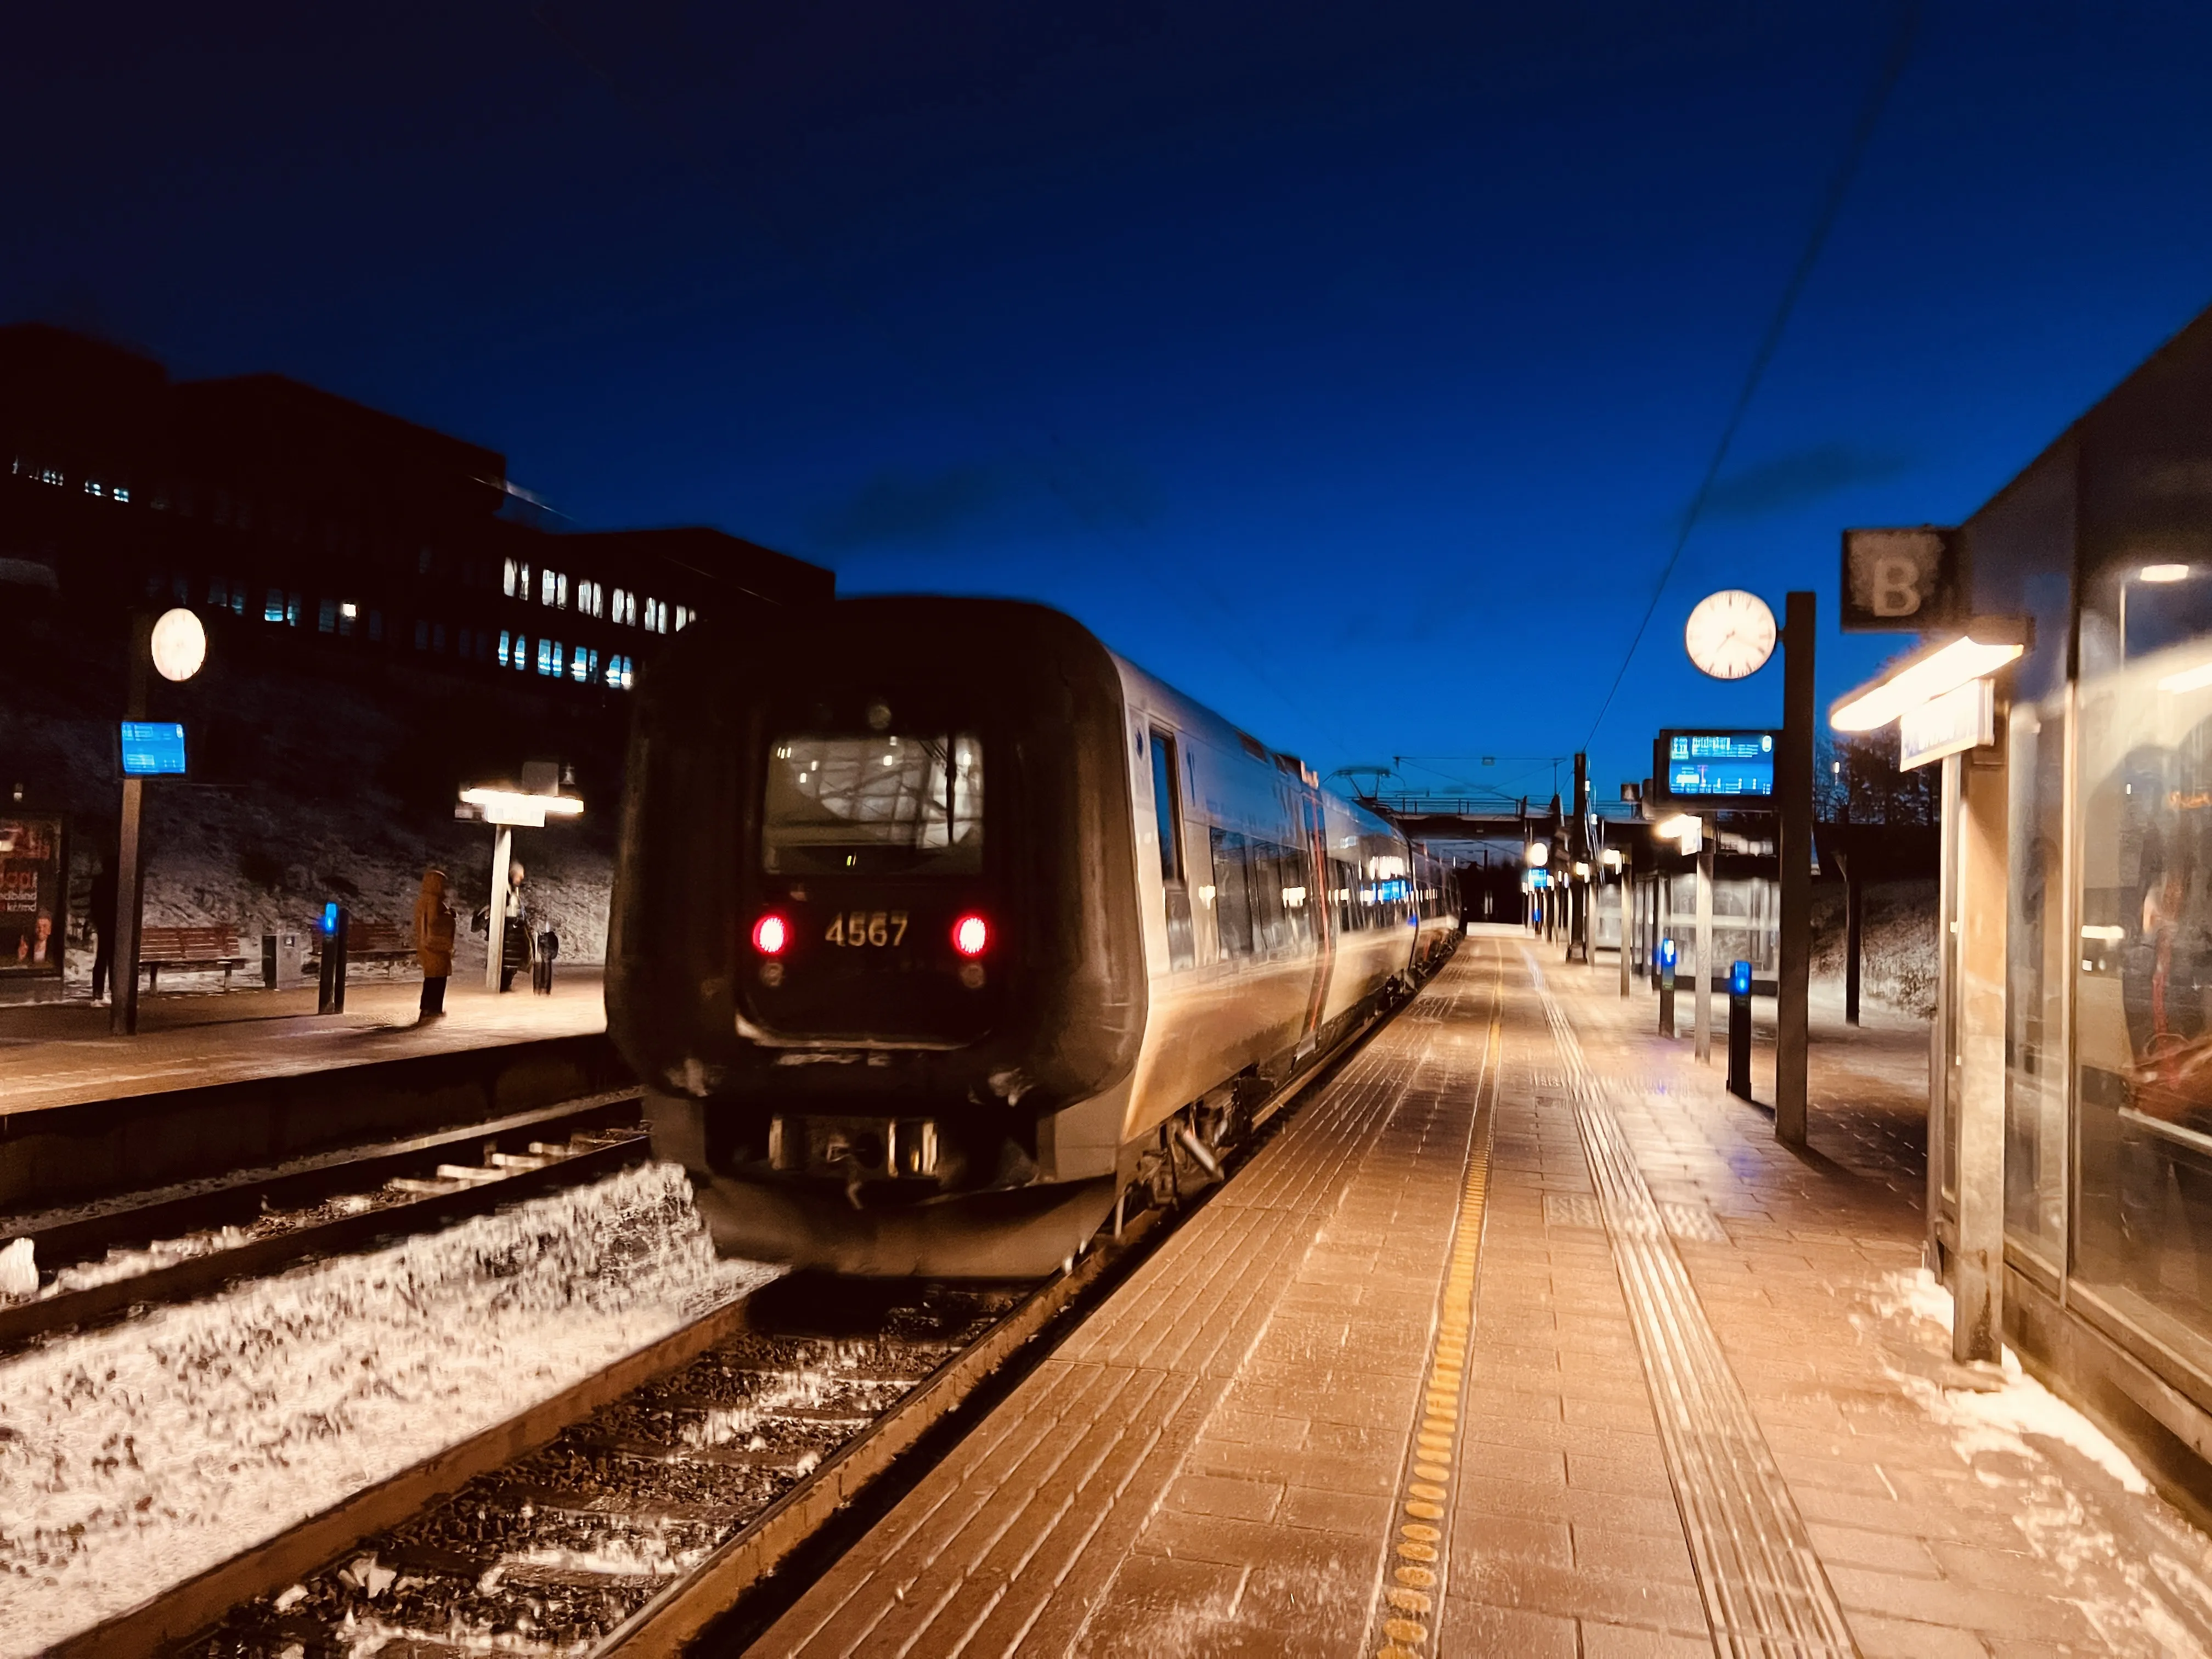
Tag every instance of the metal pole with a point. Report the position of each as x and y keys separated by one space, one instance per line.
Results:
x=1854 y=938
x=1703 y=1015
x=1627 y=918
x=502 y=856
x=1977 y=1277
x=1793 y=788
x=129 y=861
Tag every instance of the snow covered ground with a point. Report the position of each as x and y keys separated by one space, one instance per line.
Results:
x=138 y=1455
x=2139 y=1571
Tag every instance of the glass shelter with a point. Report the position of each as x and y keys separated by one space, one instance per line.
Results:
x=2070 y=1096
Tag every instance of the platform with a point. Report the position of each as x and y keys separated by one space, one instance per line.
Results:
x=61 y=1054
x=1522 y=1337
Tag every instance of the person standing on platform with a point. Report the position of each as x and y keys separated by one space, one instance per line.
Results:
x=434 y=942
x=514 y=948
x=103 y=926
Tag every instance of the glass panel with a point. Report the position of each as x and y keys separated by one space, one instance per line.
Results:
x=1164 y=806
x=874 y=805
x=2142 y=1038
x=1232 y=898
x=2037 y=951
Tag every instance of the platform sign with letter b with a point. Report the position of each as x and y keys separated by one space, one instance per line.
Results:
x=1900 y=580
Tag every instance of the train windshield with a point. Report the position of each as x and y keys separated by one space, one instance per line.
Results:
x=874 y=805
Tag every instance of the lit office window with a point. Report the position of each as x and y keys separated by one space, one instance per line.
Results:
x=218 y=593
x=504 y=639
x=120 y=493
x=581 y=665
x=91 y=487
x=684 y=618
x=549 y=657
x=625 y=608
x=273 y=609
x=618 y=673
x=590 y=597
x=346 y=611
x=292 y=609
x=656 y=615
x=513 y=577
x=553 y=589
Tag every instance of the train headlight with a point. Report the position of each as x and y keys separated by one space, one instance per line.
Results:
x=971 y=934
x=770 y=934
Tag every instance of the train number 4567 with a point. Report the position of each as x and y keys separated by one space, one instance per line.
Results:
x=862 y=928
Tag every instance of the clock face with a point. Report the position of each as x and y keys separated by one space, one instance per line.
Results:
x=1730 y=634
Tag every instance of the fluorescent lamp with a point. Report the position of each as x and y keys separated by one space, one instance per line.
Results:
x=1945 y=670
x=1682 y=824
x=2109 y=932
x=2163 y=573
x=519 y=808
x=2189 y=679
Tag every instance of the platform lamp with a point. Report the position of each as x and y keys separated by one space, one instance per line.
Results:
x=175 y=645
x=507 y=808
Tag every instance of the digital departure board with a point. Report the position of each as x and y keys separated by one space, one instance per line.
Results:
x=152 y=749
x=1717 y=768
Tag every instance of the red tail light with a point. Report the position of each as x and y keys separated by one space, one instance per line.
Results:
x=971 y=934
x=770 y=934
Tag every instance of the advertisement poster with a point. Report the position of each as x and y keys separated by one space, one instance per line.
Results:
x=34 y=896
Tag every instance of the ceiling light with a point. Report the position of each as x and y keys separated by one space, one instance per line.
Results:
x=1945 y=669
x=2163 y=573
x=2189 y=679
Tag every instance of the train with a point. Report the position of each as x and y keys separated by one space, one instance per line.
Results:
x=941 y=934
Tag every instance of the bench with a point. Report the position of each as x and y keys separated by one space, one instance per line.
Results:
x=386 y=941
x=188 y=948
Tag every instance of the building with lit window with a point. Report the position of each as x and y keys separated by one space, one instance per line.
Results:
x=388 y=618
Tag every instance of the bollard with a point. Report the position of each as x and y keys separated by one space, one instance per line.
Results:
x=1739 y=1075
x=1666 y=988
x=331 y=999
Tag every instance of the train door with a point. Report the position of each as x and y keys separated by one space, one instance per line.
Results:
x=1313 y=827
x=1167 y=805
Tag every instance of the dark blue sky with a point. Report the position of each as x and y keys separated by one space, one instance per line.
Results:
x=1351 y=368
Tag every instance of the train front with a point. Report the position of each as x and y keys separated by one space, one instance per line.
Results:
x=874 y=946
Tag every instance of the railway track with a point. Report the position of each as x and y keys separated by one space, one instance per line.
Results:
x=691 y=1490
x=98 y=1262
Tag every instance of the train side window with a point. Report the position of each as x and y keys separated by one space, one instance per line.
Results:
x=1166 y=806
x=1232 y=898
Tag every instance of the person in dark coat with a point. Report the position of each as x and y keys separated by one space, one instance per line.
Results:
x=103 y=926
x=434 y=942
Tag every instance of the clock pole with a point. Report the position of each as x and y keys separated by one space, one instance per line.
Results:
x=1792 y=789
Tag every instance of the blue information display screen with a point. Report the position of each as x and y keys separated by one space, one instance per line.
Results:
x=1704 y=765
x=152 y=749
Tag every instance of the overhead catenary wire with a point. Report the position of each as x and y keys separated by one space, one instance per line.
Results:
x=1886 y=77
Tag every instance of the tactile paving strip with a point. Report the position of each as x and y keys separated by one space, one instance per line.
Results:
x=1765 y=1593
x=1405 y=1623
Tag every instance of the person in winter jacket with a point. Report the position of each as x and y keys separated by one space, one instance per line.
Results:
x=434 y=941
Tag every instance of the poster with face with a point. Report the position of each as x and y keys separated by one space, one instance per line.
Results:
x=34 y=896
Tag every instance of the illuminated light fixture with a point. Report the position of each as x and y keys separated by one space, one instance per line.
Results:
x=1611 y=858
x=2163 y=573
x=1682 y=827
x=971 y=934
x=2109 y=932
x=519 y=808
x=1536 y=855
x=180 y=644
x=1942 y=668
x=1582 y=871
x=2189 y=679
x=770 y=934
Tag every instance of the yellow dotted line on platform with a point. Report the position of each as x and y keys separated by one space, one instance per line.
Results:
x=1416 y=1574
